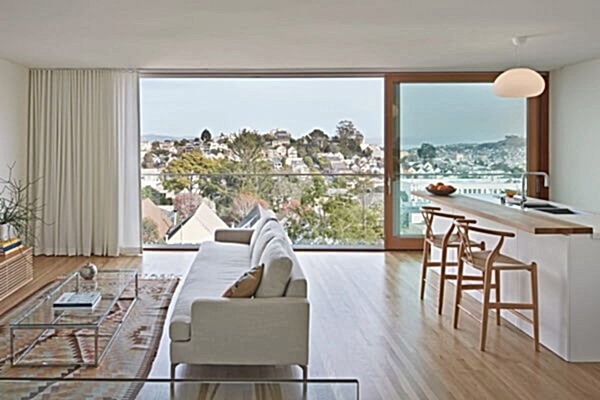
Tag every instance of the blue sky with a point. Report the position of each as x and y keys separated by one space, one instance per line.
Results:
x=437 y=114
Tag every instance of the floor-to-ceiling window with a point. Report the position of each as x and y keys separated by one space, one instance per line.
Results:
x=309 y=148
x=453 y=129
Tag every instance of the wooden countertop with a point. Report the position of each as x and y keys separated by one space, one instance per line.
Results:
x=529 y=221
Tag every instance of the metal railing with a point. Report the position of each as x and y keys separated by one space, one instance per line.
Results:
x=332 y=209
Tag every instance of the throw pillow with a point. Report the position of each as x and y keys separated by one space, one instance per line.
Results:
x=246 y=285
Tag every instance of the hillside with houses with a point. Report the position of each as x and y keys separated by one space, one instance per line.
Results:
x=206 y=182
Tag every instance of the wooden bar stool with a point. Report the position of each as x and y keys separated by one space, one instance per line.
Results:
x=443 y=242
x=492 y=263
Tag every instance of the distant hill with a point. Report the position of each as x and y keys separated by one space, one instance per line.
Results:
x=160 y=138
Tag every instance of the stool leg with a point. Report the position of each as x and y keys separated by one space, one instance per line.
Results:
x=534 y=300
x=486 y=301
x=459 y=276
x=426 y=249
x=497 y=280
x=442 y=280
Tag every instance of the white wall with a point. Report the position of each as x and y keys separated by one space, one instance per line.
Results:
x=14 y=86
x=575 y=135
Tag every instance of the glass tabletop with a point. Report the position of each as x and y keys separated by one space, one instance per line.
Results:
x=314 y=389
x=110 y=284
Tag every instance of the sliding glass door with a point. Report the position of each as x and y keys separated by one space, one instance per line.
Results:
x=451 y=129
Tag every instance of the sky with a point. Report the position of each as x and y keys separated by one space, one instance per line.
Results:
x=433 y=113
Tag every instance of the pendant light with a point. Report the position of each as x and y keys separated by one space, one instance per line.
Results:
x=519 y=82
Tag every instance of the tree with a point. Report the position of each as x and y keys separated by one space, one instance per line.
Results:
x=308 y=161
x=150 y=232
x=426 y=152
x=186 y=203
x=148 y=192
x=155 y=145
x=347 y=135
x=189 y=163
x=345 y=129
x=248 y=146
x=148 y=161
x=319 y=139
x=206 y=136
x=244 y=202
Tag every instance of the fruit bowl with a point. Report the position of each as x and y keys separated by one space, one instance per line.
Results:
x=441 y=192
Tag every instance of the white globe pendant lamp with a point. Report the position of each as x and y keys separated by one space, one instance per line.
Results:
x=519 y=82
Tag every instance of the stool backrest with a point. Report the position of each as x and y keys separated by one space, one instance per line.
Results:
x=429 y=213
x=463 y=229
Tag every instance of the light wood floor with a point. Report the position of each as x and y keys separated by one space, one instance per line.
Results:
x=368 y=323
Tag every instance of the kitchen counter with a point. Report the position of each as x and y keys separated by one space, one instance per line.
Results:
x=567 y=251
x=529 y=220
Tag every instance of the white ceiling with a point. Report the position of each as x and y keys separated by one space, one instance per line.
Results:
x=298 y=34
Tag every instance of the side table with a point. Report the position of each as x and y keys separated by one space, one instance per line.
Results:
x=16 y=270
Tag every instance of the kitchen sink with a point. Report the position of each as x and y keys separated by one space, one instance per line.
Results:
x=546 y=207
x=556 y=210
x=539 y=206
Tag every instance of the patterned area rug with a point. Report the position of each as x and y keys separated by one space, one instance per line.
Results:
x=130 y=355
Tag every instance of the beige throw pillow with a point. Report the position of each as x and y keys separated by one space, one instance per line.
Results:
x=246 y=285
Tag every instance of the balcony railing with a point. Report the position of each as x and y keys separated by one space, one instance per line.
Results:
x=315 y=209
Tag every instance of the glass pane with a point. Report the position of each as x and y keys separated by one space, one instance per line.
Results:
x=311 y=149
x=161 y=389
x=458 y=134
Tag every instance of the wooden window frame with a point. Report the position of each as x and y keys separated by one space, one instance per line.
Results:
x=538 y=151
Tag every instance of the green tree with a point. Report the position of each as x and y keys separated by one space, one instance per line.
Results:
x=426 y=152
x=308 y=161
x=248 y=146
x=148 y=192
x=318 y=139
x=150 y=232
x=195 y=166
x=206 y=136
x=345 y=129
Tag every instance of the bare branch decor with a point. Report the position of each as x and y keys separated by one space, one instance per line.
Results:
x=17 y=208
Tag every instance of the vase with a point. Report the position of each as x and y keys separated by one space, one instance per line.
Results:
x=88 y=271
x=4 y=232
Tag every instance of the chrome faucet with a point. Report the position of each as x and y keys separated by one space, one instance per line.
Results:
x=524 y=179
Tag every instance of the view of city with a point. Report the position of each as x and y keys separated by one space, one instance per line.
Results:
x=327 y=187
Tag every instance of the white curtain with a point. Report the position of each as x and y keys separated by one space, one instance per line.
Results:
x=83 y=144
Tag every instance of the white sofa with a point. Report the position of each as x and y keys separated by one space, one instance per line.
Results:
x=270 y=329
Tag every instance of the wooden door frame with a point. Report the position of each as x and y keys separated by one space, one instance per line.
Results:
x=537 y=137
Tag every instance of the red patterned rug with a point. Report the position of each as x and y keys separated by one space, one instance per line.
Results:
x=130 y=355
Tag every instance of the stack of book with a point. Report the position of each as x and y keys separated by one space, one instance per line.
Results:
x=77 y=301
x=10 y=246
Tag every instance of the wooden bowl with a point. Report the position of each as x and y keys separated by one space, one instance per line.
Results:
x=440 y=192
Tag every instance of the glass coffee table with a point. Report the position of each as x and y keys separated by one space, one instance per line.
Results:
x=161 y=389
x=30 y=333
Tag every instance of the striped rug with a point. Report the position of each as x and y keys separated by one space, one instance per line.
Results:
x=130 y=355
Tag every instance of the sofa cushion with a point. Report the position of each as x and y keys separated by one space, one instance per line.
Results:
x=266 y=216
x=271 y=230
x=246 y=285
x=297 y=287
x=278 y=266
x=216 y=265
